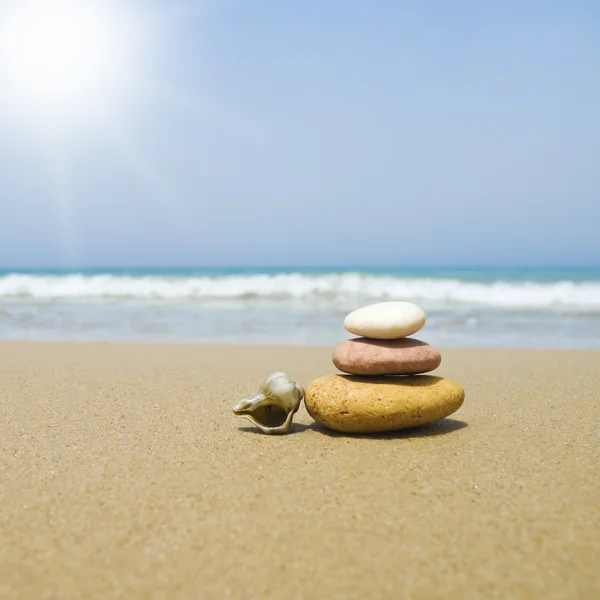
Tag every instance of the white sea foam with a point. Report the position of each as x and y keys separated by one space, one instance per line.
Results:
x=328 y=290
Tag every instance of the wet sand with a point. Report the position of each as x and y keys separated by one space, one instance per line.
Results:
x=123 y=474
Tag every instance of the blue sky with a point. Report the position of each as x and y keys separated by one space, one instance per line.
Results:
x=331 y=132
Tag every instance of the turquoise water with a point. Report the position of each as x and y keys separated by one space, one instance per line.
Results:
x=466 y=306
x=481 y=274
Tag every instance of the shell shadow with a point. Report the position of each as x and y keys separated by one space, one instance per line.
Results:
x=295 y=428
x=441 y=427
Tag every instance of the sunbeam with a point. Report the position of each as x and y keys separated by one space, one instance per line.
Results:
x=65 y=63
x=60 y=190
x=79 y=74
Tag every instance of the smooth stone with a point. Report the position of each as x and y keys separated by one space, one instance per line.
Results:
x=386 y=320
x=376 y=404
x=406 y=356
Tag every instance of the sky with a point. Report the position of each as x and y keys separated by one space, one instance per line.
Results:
x=308 y=133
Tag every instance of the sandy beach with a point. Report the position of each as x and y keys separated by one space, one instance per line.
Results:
x=123 y=474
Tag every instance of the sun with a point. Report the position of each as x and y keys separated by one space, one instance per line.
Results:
x=67 y=63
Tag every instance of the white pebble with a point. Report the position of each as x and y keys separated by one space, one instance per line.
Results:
x=386 y=320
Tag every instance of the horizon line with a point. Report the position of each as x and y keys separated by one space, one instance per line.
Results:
x=344 y=267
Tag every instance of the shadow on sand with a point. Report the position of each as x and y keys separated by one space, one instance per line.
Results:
x=441 y=427
x=295 y=428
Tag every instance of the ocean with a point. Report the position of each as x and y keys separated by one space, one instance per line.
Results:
x=466 y=307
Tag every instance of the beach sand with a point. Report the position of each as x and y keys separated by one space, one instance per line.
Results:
x=123 y=474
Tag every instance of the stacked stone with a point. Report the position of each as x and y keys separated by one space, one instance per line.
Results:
x=385 y=389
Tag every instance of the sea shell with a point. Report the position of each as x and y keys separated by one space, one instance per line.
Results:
x=273 y=407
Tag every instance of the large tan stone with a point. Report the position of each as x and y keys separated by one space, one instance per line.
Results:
x=375 y=404
x=406 y=356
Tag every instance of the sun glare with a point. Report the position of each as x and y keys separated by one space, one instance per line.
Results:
x=66 y=62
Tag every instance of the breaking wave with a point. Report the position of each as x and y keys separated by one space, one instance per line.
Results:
x=334 y=290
